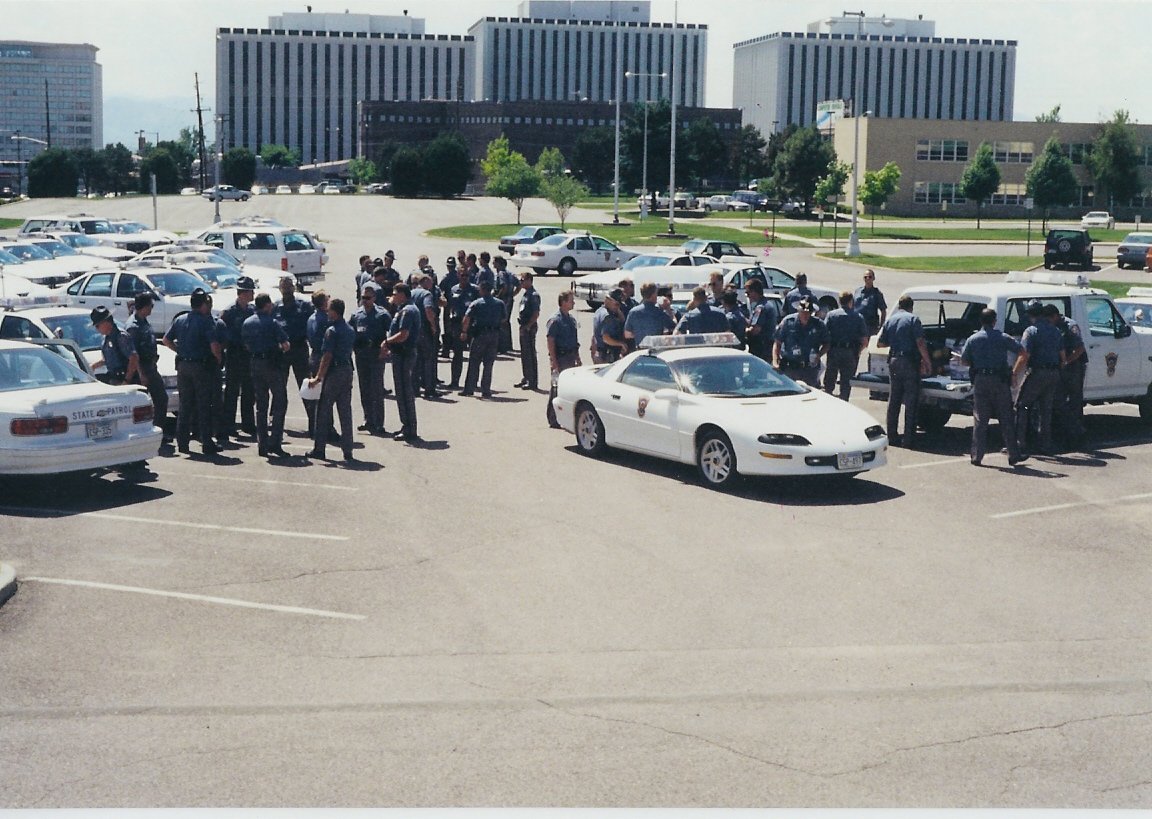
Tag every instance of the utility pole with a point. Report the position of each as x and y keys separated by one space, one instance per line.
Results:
x=200 y=132
x=219 y=162
x=47 y=117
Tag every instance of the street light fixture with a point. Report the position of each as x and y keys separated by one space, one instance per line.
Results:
x=647 y=102
x=18 y=138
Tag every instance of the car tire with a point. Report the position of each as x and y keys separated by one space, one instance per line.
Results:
x=716 y=460
x=567 y=266
x=589 y=431
x=540 y=271
x=707 y=208
x=243 y=198
x=1047 y=265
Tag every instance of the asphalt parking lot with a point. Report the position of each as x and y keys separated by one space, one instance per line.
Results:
x=492 y=619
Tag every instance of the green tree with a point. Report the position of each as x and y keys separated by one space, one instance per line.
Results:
x=563 y=192
x=182 y=155
x=878 y=187
x=659 y=132
x=594 y=157
x=362 y=170
x=802 y=160
x=981 y=178
x=1115 y=161
x=830 y=188
x=447 y=165
x=90 y=165
x=239 y=168
x=160 y=162
x=384 y=157
x=509 y=174
x=52 y=173
x=705 y=151
x=407 y=172
x=1050 y=116
x=749 y=157
x=1050 y=180
x=550 y=164
x=119 y=167
x=279 y=156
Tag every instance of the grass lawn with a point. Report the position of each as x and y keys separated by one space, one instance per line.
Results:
x=1115 y=289
x=965 y=234
x=636 y=233
x=5 y=224
x=943 y=264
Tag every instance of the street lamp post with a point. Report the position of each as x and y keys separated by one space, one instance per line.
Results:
x=219 y=160
x=17 y=137
x=672 y=151
x=616 y=170
x=644 y=183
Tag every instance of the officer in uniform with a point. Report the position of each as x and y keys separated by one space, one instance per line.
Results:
x=903 y=336
x=506 y=287
x=148 y=376
x=870 y=303
x=484 y=273
x=736 y=317
x=1037 y=371
x=335 y=374
x=267 y=343
x=608 y=342
x=482 y=325
x=797 y=294
x=463 y=293
x=529 y=319
x=198 y=355
x=763 y=318
x=292 y=313
x=702 y=317
x=986 y=353
x=1070 y=397
x=563 y=345
x=847 y=335
x=449 y=281
x=425 y=299
x=716 y=290
x=238 y=366
x=629 y=300
x=646 y=319
x=387 y=272
x=801 y=341
x=118 y=354
x=404 y=334
x=370 y=325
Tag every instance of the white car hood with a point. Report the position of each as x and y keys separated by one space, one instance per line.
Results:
x=815 y=415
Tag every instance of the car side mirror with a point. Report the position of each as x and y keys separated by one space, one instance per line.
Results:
x=667 y=394
x=1124 y=331
x=157 y=295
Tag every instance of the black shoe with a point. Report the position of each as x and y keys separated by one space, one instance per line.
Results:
x=467 y=393
x=349 y=457
x=316 y=454
x=184 y=448
x=453 y=386
x=262 y=451
x=976 y=461
x=521 y=384
x=278 y=452
x=211 y=449
x=433 y=396
x=486 y=394
x=555 y=426
x=1014 y=461
x=386 y=391
x=363 y=428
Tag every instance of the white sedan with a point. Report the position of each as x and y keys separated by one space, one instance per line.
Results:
x=568 y=252
x=56 y=418
x=724 y=410
x=1098 y=219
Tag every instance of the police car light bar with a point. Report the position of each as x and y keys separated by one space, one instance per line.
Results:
x=18 y=302
x=1140 y=291
x=1048 y=277
x=656 y=343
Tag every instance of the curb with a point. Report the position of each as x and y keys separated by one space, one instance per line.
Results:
x=7 y=582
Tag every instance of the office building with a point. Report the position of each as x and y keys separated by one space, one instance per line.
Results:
x=49 y=93
x=300 y=82
x=905 y=71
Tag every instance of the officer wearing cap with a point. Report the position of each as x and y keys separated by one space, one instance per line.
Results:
x=401 y=344
x=390 y=275
x=646 y=319
x=903 y=336
x=237 y=361
x=563 y=346
x=148 y=375
x=1037 y=372
x=608 y=342
x=986 y=353
x=763 y=317
x=370 y=327
x=702 y=317
x=529 y=321
x=847 y=335
x=424 y=298
x=198 y=355
x=335 y=376
x=267 y=342
x=291 y=312
x=117 y=352
x=798 y=293
x=481 y=326
x=1069 y=406
x=449 y=280
x=801 y=341
x=363 y=275
x=505 y=290
x=463 y=293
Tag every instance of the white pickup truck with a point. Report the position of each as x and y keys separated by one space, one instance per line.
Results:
x=1119 y=355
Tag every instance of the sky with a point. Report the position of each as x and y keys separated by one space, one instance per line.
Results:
x=1091 y=57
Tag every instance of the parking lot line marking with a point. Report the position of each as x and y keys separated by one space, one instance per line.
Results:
x=934 y=463
x=247 y=530
x=202 y=598
x=1039 y=510
x=259 y=480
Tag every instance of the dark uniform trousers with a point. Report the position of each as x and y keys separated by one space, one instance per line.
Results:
x=403 y=378
x=370 y=375
x=1037 y=394
x=482 y=351
x=992 y=396
x=238 y=388
x=564 y=361
x=904 y=380
x=269 y=381
x=195 y=381
x=296 y=362
x=425 y=370
x=842 y=366
x=807 y=375
x=506 y=328
x=335 y=390
x=457 y=348
x=1069 y=403
x=529 y=366
x=758 y=348
x=156 y=390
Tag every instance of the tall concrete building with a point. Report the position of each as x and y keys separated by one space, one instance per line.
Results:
x=49 y=92
x=301 y=81
x=574 y=50
x=906 y=72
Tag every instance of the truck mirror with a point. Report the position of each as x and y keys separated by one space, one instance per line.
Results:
x=1124 y=331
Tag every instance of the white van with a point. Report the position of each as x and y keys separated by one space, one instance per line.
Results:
x=264 y=243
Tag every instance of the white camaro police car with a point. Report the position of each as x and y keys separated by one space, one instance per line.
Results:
x=723 y=409
x=55 y=417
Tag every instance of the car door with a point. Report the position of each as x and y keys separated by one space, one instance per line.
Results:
x=1114 y=364
x=124 y=294
x=642 y=421
x=19 y=327
x=613 y=256
x=302 y=254
x=95 y=291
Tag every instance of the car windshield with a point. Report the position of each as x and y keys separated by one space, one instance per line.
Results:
x=1137 y=314
x=56 y=248
x=1138 y=239
x=101 y=227
x=693 y=247
x=27 y=368
x=29 y=253
x=8 y=258
x=525 y=233
x=220 y=276
x=554 y=240
x=647 y=260
x=79 y=240
x=733 y=376
x=175 y=282
x=130 y=227
x=77 y=327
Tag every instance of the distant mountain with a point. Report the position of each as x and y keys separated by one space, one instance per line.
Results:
x=124 y=117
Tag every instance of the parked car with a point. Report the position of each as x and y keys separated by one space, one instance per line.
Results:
x=592 y=287
x=115 y=289
x=188 y=191
x=724 y=202
x=1068 y=246
x=85 y=245
x=225 y=193
x=265 y=244
x=568 y=252
x=139 y=230
x=282 y=189
x=99 y=228
x=716 y=248
x=42 y=267
x=379 y=187
x=1098 y=219
x=754 y=200
x=526 y=236
x=306 y=189
x=259 y=190
x=1133 y=251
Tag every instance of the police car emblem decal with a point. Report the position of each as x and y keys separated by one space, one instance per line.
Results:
x=642 y=407
x=1111 y=360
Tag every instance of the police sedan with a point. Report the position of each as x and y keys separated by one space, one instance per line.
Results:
x=687 y=399
x=55 y=417
x=568 y=252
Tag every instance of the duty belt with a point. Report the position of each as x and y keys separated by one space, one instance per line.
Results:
x=1044 y=366
x=844 y=345
x=989 y=371
x=266 y=356
x=183 y=360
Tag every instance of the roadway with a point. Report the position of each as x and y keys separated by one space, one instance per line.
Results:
x=492 y=619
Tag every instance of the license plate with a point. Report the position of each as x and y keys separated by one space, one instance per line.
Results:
x=98 y=430
x=850 y=460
